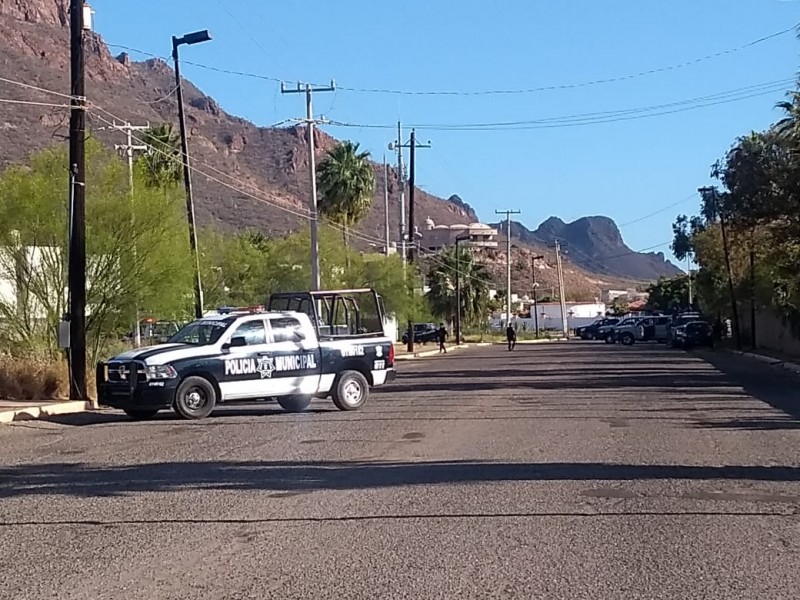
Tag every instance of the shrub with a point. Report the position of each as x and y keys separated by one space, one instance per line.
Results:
x=33 y=378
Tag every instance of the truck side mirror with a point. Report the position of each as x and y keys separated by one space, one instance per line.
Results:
x=236 y=342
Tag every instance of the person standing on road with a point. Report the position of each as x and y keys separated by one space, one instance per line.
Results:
x=442 y=336
x=511 y=337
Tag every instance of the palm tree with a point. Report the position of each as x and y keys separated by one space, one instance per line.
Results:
x=346 y=184
x=474 y=281
x=163 y=162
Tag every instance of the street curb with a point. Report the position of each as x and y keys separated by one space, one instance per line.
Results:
x=534 y=342
x=30 y=413
x=427 y=353
x=773 y=362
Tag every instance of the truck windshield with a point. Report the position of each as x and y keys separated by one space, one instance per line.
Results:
x=202 y=332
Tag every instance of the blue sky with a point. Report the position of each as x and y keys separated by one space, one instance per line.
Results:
x=624 y=169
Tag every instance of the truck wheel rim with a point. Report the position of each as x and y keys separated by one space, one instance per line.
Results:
x=352 y=392
x=194 y=398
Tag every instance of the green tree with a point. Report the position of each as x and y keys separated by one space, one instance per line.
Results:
x=33 y=239
x=163 y=161
x=668 y=295
x=474 y=283
x=346 y=185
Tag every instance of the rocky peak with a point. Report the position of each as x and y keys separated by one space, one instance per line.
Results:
x=49 y=12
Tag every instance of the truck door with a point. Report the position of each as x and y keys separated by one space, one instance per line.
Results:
x=649 y=326
x=295 y=360
x=662 y=326
x=244 y=371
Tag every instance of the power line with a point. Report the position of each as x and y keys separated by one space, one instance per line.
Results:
x=596 y=82
x=305 y=216
x=38 y=89
x=578 y=120
x=31 y=103
x=659 y=211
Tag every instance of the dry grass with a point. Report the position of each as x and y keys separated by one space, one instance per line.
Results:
x=32 y=379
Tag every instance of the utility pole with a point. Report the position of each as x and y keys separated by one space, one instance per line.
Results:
x=197 y=37
x=413 y=144
x=564 y=323
x=309 y=90
x=386 y=203
x=712 y=192
x=127 y=151
x=753 y=344
x=401 y=176
x=460 y=238
x=77 y=238
x=535 y=294
x=508 y=214
x=689 y=271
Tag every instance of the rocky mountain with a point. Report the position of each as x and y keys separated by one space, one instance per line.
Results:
x=596 y=245
x=246 y=176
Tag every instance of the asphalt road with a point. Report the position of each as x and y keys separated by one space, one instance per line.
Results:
x=567 y=471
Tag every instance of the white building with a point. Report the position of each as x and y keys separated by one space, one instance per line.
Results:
x=435 y=237
x=548 y=315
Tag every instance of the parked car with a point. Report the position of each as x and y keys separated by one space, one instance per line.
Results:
x=694 y=333
x=423 y=333
x=645 y=329
x=590 y=332
x=606 y=332
x=678 y=321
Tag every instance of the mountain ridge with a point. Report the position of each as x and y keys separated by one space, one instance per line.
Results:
x=245 y=176
x=595 y=244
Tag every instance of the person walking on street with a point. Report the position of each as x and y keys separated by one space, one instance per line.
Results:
x=511 y=336
x=442 y=335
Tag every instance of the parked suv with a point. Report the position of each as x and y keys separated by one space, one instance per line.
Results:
x=606 y=332
x=694 y=333
x=590 y=332
x=679 y=321
x=423 y=332
x=645 y=329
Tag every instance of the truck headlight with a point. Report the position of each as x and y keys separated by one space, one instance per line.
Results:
x=161 y=372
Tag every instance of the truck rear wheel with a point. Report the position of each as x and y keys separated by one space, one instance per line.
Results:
x=195 y=398
x=350 y=391
x=294 y=404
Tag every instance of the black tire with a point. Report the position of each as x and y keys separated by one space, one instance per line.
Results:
x=593 y=336
x=610 y=338
x=627 y=339
x=350 y=391
x=195 y=398
x=294 y=404
x=140 y=415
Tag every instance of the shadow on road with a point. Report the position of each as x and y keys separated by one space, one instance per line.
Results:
x=69 y=479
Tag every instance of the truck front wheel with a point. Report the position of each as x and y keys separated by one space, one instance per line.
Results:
x=195 y=398
x=350 y=391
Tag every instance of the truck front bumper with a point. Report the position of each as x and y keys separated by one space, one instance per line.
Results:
x=134 y=392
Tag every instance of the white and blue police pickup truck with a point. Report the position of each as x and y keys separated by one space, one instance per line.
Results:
x=304 y=345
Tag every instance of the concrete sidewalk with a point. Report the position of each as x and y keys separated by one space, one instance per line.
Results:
x=12 y=410
x=770 y=360
x=435 y=351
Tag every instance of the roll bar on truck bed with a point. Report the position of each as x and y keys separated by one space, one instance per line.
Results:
x=351 y=313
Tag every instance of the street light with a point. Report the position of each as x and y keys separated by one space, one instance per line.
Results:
x=189 y=39
x=535 y=287
x=461 y=238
